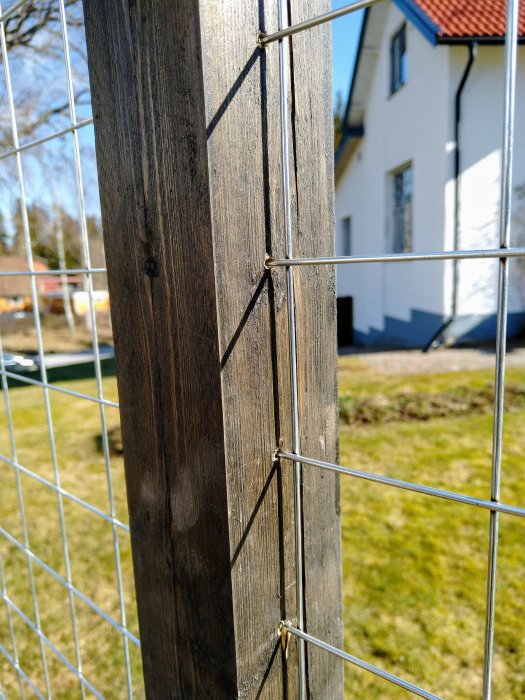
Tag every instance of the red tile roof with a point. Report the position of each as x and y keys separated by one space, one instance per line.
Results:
x=469 y=18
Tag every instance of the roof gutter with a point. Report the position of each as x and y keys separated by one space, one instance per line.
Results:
x=437 y=337
x=468 y=40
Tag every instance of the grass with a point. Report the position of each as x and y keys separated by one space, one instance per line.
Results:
x=414 y=568
x=76 y=426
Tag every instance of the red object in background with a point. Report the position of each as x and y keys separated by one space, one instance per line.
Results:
x=469 y=18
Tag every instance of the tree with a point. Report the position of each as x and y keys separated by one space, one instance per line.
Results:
x=34 y=40
x=4 y=237
x=43 y=225
x=43 y=81
x=34 y=44
x=23 y=27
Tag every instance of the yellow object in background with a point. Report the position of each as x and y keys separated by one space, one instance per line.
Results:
x=81 y=302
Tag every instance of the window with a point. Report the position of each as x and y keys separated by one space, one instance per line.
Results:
x=346 y=236
x=402 y=210
x=398 y=60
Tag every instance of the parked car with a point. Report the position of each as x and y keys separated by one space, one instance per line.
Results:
x=19 y=363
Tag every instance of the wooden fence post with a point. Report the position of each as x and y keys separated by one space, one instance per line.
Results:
x=187 y=135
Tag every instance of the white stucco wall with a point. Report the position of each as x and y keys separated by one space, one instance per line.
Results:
x=408 y=126
x=416 y=125
x=481 y=138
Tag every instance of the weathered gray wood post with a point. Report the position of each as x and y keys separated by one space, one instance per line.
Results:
x=187 y=135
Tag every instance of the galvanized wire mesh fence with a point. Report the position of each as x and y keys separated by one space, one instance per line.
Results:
x=503 y=253
x=36 y=665
x=62 y=579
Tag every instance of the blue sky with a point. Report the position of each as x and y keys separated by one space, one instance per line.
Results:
x=345 y=35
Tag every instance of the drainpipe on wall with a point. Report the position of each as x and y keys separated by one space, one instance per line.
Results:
x=436 y=338
x=473 y=51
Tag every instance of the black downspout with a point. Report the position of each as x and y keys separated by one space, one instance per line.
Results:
x=473 y=51
x=434 y=341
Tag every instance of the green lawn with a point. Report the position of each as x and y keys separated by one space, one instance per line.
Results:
x=76 y=426
x=414 y=567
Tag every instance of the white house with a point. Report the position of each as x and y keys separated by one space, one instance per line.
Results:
x=419 y=168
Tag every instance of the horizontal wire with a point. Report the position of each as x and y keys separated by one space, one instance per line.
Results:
x=51 y=273
x=45 y=139
x=38 y=329
x=265 y=39
x=61 y=390
x=122 y=630
x=68 y=586
x=416 y=690
x=11 y=10
x=401 y=257
x=21 y=672
x=86 y=258
x=63 y=492
x=51 y=646
x=406 y=485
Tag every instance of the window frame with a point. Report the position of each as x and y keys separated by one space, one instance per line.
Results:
x=398 y=59
x=402 y=242
x=346 y=236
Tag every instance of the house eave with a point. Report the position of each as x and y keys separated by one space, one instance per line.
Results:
x=346 y=149
x=419 y=19
x=467 y=40
x=356 y=67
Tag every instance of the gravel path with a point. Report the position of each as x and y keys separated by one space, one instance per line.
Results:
x=441 y=360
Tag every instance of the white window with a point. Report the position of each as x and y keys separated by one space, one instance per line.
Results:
x=402 y=210
x=346 y=236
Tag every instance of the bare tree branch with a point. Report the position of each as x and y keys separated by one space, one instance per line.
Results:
x=24 y=26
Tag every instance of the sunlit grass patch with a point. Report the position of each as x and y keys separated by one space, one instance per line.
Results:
x=76 y=425
x=415 y=567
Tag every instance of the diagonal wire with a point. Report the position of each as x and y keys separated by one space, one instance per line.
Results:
x=15 y=660
x=515 y=511
x=265 y=39
x=54 y=387
x=22 y=673
x=44 y=139
x=98 y=371
x=63 y=659
x=62 y=581
x=23 y=519
x=36 y=316
x=70 y=496
x=414 y=689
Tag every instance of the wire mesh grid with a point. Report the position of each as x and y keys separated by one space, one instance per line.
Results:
x=291 y=264
x=75 y=599
x=62 y=573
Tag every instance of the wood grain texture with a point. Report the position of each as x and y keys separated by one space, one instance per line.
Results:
x=242 y=109
x=242 y=99
x=187 y=133
x=146 y=78
x=312 y=157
